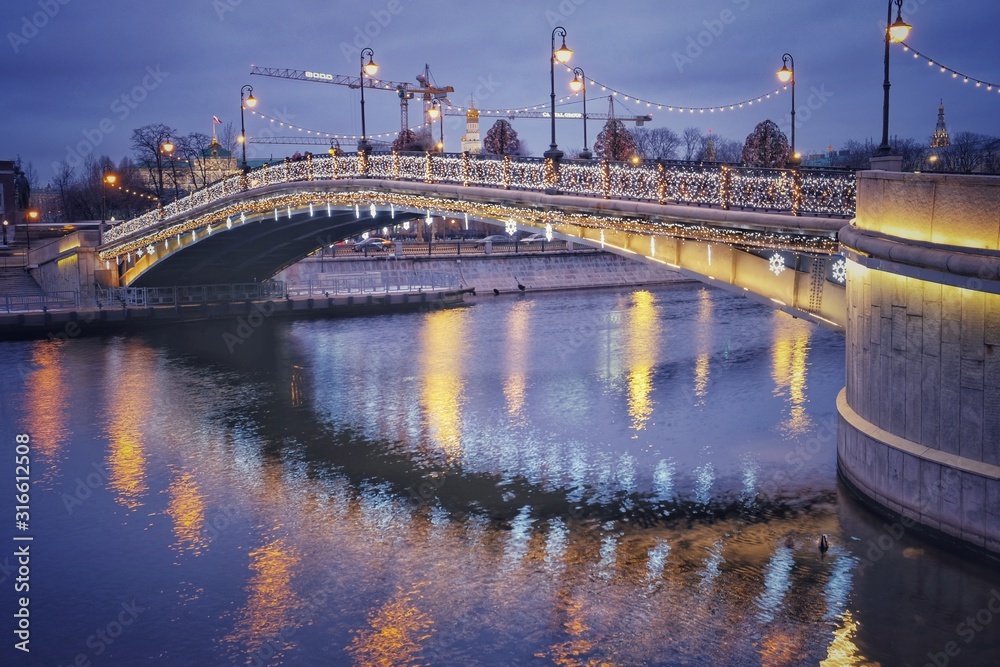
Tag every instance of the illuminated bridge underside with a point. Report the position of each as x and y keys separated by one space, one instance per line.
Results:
x=251 y=235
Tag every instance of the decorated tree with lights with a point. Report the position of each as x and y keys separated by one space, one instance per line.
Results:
x=615 y=142
x=408 y=140
x=502 y=139
x=766 y=146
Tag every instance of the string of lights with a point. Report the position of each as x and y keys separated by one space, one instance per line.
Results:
x=318 y=133
x=955 y=74
x=681 y=108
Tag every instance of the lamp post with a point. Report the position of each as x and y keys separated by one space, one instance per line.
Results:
x=248 y=102
x=32 y=216
x=436 y=112
x=5 y=223
x=894 y=32
x=577 y=85
x=167 y=148
x=109 y=179
x=787 y=75
x=371 y=69
x=562 y=56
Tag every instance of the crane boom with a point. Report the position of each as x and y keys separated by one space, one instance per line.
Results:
x=638 y=120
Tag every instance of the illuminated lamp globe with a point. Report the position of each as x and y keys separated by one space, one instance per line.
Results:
x=563 y=54
x=110 y=179
x=251 y=101
x=784 y=74
x=576 y=85
x=899 y=30
x=433 y=112
x=371 y=69
x=167 y=146
x=33 y=214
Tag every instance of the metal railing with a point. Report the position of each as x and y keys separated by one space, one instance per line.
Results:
x=460 y=247
x=799 y=191
x=190 y=294
x=374 y=282
x=16 y=302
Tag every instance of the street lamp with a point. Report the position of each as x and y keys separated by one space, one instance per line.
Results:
x=5 y=223
x=248 y=102
x=787 y=75
x=31 y=217
x=167 y=148
x=562 y=56
x=894 y=32
x=109 y=179
x=436 y=112
x=579 y=84
x=371 y=69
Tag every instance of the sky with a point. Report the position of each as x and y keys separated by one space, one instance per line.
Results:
x=79 y=75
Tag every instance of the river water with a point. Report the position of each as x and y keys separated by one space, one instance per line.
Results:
x=620 y=477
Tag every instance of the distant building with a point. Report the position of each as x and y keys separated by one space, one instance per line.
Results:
x=940 y=137
x=471 y=143
x=212 y=164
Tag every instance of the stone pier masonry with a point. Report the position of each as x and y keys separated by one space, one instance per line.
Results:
x=919 y=426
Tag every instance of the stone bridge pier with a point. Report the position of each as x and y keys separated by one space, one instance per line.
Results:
x=919 y=431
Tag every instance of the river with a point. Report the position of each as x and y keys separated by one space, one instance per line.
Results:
x=620 y=477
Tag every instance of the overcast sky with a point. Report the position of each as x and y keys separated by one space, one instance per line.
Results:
x=80 y=75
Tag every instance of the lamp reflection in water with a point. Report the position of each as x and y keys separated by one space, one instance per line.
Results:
x=701 y=362
x=643 y=341
x=517 y=350
x=130 y=385
x=394 y=633
x=272 y=602
x=442 y=355
x=187 y=510
x=789 y=365
x=46 y=406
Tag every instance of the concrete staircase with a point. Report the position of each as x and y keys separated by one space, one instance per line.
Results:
x=15 y=280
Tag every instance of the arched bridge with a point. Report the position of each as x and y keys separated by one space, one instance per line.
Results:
x=770 y=233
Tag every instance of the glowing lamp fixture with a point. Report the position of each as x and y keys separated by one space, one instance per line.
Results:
x=563 y=53
x=784 y=74
x=371 y=69
x=899 y=30
x=576 y=85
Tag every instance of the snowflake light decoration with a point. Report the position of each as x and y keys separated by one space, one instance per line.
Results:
x=138 y=252
x=840 y=271
x=510 y=227
x=229 y=223
x=150 y=249
x=777 y=264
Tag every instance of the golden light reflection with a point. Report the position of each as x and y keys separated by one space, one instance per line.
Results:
x=843 y=652
x=573 y=652
x=443 y=345
x=187 y=509
x=517 y=349
x=46 y=404
x=394 y=633
x=127 y=404
x=642 y=344
x=789 y=364
x=702 y=370
x=272 y=603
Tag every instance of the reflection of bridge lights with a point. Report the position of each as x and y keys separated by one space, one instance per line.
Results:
x=840 y=271
x=357 y=211
x=548 y=231
x=777 y=264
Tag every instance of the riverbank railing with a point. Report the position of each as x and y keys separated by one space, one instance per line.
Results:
x=189 y=294
x=800 y=191
x=17 y=302
x=372 y=282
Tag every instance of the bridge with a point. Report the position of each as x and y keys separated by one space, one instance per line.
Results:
x=769 y=233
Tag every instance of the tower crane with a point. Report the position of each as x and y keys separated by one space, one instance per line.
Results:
x=403 y=89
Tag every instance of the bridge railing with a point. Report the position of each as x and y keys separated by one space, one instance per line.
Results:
x=799 y=191
x=374 y=282
x=15 y=302
x=189 y=294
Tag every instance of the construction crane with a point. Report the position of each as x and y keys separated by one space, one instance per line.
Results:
x=404 y=90
x=512 y=114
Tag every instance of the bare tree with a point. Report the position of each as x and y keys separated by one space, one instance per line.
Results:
x=693 y=142
x=146 y=143
x=656 y=143
x=229 y=138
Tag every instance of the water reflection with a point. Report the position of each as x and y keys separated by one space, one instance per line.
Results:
x=642 y=345
x=128 y=392
x=46 y=418
x=704 y=342
x=517 y=350
x=789 y=365
x=267 y=617
x=444 y=346
x=395 y=633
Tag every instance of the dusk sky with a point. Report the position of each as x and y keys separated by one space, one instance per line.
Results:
x=81 y=75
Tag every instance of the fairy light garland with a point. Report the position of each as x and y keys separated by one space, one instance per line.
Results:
x=955 y=74
x=262 y=208
x=682 y=108
x=328 y=135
